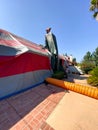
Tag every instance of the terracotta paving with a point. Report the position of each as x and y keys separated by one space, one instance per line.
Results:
x=29 y=110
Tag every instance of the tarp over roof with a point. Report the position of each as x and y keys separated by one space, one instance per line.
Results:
x=11 y=44
x=22 y=63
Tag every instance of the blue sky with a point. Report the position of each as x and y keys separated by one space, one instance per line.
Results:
x=71 y=21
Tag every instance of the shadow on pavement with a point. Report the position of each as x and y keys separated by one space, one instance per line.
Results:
x=72 y=77
x=14 y=110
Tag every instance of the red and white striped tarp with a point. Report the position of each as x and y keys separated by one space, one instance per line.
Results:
x=23 y=64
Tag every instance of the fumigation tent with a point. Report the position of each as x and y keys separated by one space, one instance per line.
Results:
x=23 y=64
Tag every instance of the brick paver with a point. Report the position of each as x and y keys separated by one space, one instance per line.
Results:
x=29 y=110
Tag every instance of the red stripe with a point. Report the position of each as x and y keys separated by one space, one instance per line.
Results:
x=27 y=62
x=18 y=41
x=11 y=43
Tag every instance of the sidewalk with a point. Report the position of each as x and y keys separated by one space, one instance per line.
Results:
x=75 y=111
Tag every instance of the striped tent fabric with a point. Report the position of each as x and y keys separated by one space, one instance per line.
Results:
x=23 y=64
x=73 y=69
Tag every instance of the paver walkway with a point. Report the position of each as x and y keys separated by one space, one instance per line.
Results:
x=30 y=110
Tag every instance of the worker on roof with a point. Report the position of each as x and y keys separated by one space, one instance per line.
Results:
x=51 y=45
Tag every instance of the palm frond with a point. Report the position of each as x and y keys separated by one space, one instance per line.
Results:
x=95 y=14
x=93 y=2
x=92 y=8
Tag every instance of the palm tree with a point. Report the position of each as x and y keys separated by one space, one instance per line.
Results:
x=94 y=7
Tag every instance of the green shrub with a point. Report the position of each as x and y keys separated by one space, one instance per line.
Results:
x=93 y=79
x=58 y=75
x=86 y=70
x=94 y=72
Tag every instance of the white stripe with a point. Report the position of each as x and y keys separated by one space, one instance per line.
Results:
x=12 y=84
x=20 y=47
